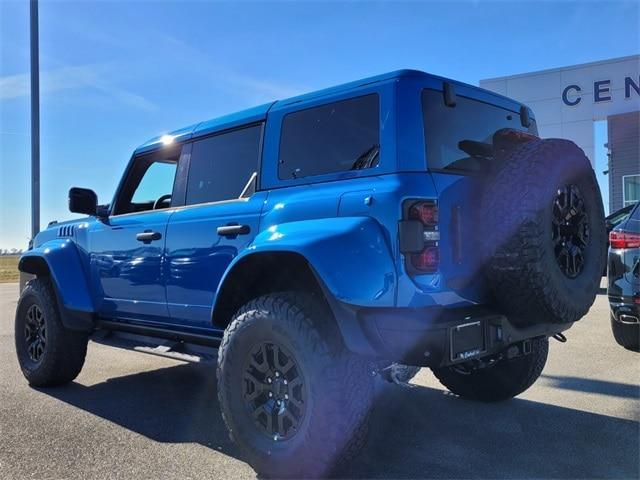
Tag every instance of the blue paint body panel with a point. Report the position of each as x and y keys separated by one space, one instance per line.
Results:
x=340 y=250
x=345 y=224
x=197 y=257
x=64 y=261
x=127 y=275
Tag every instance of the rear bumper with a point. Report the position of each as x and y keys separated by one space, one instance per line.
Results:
x=424 y=336
x=624 y=309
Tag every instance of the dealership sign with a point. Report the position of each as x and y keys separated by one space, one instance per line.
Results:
x=572 y=94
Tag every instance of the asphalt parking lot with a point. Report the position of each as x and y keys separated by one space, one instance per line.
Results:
x=131 y=415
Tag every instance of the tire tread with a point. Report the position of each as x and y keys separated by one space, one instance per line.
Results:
x=626 y=335
x=516 y=251
x=345 y=378
x=66 y=349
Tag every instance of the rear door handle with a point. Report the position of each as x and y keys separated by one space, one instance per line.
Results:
x=148 y=236
x=233 y=230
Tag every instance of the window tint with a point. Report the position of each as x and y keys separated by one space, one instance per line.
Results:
x=156 y=182
x=221 y=166
x=460 y=137
x=331 y=138
x=636 y=212
x=150 y=177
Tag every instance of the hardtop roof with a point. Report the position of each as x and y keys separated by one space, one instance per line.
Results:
x=258 y=113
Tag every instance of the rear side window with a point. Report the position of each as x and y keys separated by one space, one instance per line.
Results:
x=460 y=137
x=335 y=137
x=222 y=166
x=635 y=214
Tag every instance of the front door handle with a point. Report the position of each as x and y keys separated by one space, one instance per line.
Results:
x=148 y=236
x=233 y=230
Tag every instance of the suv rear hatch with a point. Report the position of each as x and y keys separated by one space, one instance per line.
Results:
x=459 y=133
x=626 y=238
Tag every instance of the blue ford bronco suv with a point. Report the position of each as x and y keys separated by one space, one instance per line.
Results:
x=307 y=244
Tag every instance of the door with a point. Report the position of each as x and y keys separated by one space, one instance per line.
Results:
x=220 y=218
x=127 y=248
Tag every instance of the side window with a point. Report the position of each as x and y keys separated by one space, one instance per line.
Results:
x=149 y=183
x=223 y=167
x=630 y=189
x=335 y=137
x=156 y=182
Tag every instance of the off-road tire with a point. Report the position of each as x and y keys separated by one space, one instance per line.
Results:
x=502 y=381
x=627 y=335
x=64 y=351
x=339 y=387
x=517 y=227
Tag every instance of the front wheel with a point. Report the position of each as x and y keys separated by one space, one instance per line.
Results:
x=295 y=402
x=48 y=353
x=502 y=381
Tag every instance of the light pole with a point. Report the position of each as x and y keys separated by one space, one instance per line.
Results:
x=35 y=120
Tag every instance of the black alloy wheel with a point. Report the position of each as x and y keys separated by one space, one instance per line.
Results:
x=274 y=391
x=295 y=401
x=35 y=333
x=570 y=230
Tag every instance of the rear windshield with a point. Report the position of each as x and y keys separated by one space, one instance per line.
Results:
x=454 y=135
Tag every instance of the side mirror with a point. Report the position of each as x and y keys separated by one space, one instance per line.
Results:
x=102 y=211
x=83 y=200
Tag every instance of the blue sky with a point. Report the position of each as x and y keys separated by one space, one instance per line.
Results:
x=115 y=73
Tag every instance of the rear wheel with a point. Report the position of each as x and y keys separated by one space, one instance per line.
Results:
x=627 y=335
x=502 y=381
x=48 y=353
x=295 y=401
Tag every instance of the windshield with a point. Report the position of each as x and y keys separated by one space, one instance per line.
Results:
x=460 y=137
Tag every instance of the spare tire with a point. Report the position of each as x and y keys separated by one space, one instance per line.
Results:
x=544 y=232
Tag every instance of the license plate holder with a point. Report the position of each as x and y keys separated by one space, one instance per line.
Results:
x=467 y=340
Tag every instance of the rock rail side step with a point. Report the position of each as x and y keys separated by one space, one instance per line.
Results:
x=168 y=348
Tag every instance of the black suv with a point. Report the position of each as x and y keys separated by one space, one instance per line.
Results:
x=624 y=281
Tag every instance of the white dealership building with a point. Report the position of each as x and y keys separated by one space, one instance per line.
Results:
x=567 y=101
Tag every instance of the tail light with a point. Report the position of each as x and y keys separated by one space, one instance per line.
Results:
x=622 y=239
x=425 y=212
x=419 y=236
x=427 y=260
